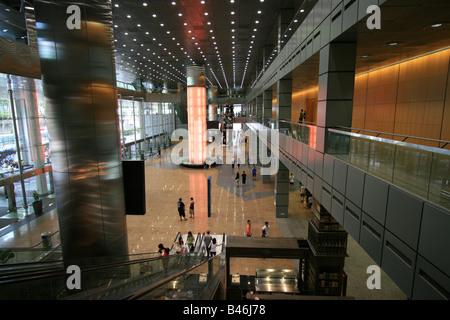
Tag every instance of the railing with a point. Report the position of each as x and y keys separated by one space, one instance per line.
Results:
x=422 y=167
x=199 y=282
x=417 y=168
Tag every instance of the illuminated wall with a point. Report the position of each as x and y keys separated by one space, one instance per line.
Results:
x=196 y=101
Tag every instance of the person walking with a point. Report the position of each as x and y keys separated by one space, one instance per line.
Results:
x=248 y=231
x=191 y=209
x=207 y=240
x=254 y=172
x=265 y=229
x=237 y=179
x=244 y=177
x=181 y=208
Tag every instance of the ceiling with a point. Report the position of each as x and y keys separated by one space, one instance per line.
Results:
x=409 y=28
x=156 y=40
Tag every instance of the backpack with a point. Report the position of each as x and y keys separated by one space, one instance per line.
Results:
x=166 y=250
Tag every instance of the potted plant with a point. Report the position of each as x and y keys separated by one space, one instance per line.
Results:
x=37 y=204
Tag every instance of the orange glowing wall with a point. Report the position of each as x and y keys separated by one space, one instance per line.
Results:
x=196 y=100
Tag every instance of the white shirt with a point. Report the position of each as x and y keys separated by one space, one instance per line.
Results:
x=266 y=228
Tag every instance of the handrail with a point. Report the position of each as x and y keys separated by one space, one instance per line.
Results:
x=394 y=134
x=46 y=274
x=144 y=291
x=176 y=239
x=217 y=278
x=199 y=237
x=393 y=142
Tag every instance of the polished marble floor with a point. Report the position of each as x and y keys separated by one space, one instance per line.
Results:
x=231 y=207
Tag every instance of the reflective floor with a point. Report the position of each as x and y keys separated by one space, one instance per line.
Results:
x=232 y=205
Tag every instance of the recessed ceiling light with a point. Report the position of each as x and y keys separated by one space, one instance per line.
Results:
x=436 y=25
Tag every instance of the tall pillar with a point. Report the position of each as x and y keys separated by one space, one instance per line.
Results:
x=196 y=96
x=212 y=107
x=284 y=19
x=30 y=126
x=284 y=101
x=259 y=107
x=79 y=80
x=267 y=106
x=282 y=191
x=336 y=87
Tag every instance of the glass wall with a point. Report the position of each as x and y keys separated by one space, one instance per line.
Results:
x=25 y=161
x=145 y=126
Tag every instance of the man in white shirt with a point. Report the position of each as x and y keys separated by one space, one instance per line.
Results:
x=266 y=229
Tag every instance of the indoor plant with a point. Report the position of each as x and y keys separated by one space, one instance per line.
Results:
x=37 y=204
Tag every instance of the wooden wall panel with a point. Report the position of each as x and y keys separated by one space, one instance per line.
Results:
x=410 y=98
x=306 y=100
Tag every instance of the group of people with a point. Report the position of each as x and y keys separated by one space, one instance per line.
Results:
x=182 y=208
x=264 y=229
x=180 y=247
x=302 y=116
x=243 y=175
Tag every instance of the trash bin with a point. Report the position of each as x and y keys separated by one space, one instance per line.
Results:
x=46 y=240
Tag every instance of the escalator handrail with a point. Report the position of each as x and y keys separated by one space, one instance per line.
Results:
x=138 y=294
x=176 y=239
x=47 y=274
x=142 y=292
x=41 y=268
x=217 y=278
x=198 y=241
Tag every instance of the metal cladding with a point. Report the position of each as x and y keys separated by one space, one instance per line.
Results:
x=196 y=76
x=79 y=82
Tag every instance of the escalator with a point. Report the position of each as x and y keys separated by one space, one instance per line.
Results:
x=200 y=282
x=112 y=280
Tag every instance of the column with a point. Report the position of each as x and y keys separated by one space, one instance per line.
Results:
x=212 y=107
x=336 y=87
x=284 y=19
x=267 y=106
x=284 y=101
x=30 y=126
x=282 y=191
x=79 y=80
x=196 y=95
x=259 y=107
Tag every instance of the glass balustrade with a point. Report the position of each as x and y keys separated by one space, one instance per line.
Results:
x=415 y=167
x=105 y=282
x=419 y=169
